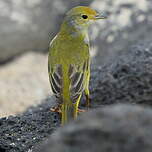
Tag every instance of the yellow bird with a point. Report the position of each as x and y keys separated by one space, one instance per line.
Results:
x=69 y=60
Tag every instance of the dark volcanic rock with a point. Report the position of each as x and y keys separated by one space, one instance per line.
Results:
x=127 y=78
x=118 y=128
x=20 y=133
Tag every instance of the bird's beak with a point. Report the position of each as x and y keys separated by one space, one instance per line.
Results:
x=101 y=16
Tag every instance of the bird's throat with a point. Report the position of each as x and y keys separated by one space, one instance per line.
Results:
x=74 y=31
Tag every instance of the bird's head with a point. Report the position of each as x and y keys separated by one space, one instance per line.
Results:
x=81 y=17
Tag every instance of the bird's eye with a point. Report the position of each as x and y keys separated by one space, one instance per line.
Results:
x=84 y=16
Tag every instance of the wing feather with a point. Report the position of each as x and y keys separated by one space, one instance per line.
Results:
x=55 y=76
x=77 y=83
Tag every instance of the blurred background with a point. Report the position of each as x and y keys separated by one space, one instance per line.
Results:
x=27 y=27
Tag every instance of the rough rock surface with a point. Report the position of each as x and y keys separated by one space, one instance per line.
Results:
x=115 y=128
x=20 y=133
x=29 y=25
x=127 y=78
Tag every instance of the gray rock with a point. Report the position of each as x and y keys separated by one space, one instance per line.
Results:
x=19 y=133
x=25 y=79
x=126 y=78
x=115 y=128
x=30 y=25
x=128 y=22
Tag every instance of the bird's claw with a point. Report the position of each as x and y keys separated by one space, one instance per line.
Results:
x=81 y=110
x=56 y=109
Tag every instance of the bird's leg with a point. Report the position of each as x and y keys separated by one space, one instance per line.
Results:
x=76 y=109
x=87 y=104
x=87 y=95
x=56 y=109
x=86 y=91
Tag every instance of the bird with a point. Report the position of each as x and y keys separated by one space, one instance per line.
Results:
x=69 y=61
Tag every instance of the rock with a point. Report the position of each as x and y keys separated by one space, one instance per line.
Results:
x=126 y=78
x=20 y=133
x=23 y=82
x=115 y=128
x=128 y=22
x=30 y=25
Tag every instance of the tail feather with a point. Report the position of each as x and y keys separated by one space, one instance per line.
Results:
x=69 y=112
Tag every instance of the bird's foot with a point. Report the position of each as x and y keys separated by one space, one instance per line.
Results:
x=81 y=110
x=56 y=109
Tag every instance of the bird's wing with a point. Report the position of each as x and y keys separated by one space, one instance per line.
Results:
x=55 y=77
x=77 y=80
x=54 y=70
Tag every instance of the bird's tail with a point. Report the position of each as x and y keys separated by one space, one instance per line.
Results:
x=69 y=112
